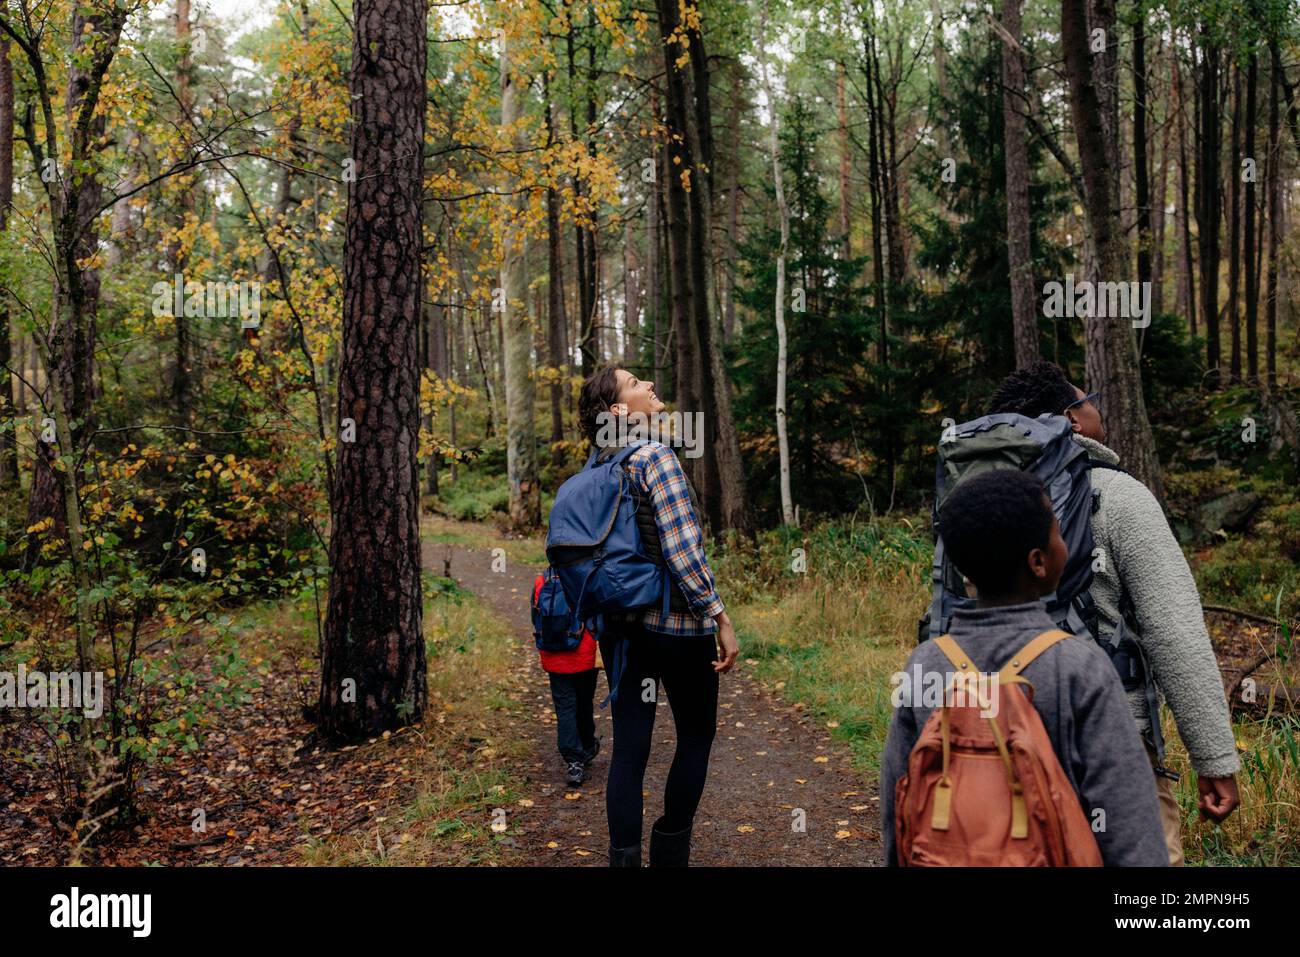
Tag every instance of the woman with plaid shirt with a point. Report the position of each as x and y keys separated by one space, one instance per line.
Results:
x=678 y=649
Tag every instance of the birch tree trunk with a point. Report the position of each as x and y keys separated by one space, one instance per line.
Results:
x=783 y=213
x=516 y=329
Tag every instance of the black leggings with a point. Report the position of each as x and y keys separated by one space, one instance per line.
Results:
x=684 y=666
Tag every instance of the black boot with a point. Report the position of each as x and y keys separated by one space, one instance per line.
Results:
x=669 y=848
x=625 y=856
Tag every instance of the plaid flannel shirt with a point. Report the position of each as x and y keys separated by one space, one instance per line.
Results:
x=655 y=470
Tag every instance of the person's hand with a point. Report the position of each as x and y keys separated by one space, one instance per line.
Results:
x=1218 y=797
x=727 y=642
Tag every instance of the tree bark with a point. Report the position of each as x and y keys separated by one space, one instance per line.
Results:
x=1208 y=207
x=1234 y=235
x=718 y=474
x=1274 y=212
x=176 y=256
x=783 y=213
x=525 y=509
x=8 y=442
x=1249 y=238
x=373 y=647
x=1188 y=285
x=842 y=109
x=1142 y=189
x=1112 y=360
x=1024 y=317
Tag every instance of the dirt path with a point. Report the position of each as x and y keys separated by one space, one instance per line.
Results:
x=769 y=761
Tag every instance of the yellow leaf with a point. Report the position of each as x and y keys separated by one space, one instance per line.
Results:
x=841 y=835
x=745 y=829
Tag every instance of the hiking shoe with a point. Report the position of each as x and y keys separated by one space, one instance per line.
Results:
x=576 y=774
x=591 y=756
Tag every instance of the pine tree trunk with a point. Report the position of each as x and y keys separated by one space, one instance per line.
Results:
x=1187 y=288
x=1142 y=189
x=1112 y=360
x=8 y=443
x=1208 y=208
x=1249 y=238
x=181 y=372
x=783 y=213
x=1234 y=236
x=1024 y=318
x=372 y=658
x=1274 y=212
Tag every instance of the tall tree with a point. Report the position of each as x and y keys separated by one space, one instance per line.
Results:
x=1024 y=317
x=1142 y=191
x=1249 y=238
x=1112 y=355
x=783 y=217
x=372 y=656
x=516 y=327
x=8 y=442
x=1209 y=208
x=1274 y=198
x=1234 y=235
x=74 y=197
x=703 y=385
x=176 y=251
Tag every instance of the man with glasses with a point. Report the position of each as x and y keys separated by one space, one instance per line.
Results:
x=1142 y=571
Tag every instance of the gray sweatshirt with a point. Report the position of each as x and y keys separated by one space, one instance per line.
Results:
x=1140 y=552
x=1081 y=701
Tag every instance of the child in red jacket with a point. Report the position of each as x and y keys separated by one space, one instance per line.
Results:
x=573 y=689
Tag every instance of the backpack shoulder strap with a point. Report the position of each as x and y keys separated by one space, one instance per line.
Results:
x=1021 y=659
x=625 y=452
x=954 y=653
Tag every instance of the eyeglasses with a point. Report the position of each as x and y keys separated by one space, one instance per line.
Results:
x=1078 y=402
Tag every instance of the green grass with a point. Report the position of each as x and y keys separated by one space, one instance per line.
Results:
x=442 y=531
x=471 y=756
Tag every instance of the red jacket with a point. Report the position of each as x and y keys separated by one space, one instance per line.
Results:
x=582 y=658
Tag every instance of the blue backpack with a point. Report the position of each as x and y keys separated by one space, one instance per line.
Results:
x=555 y=627
x=597 y=565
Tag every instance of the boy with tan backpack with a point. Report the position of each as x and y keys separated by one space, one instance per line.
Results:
x=1012 y=743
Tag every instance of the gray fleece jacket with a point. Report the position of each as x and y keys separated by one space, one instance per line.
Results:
x=1139 y=552
x=1081 y=701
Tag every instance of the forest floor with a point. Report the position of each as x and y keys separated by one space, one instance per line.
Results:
x=479 y=781
x=770 y=759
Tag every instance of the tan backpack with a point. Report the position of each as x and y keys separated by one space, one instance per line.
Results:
x=986 y=791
